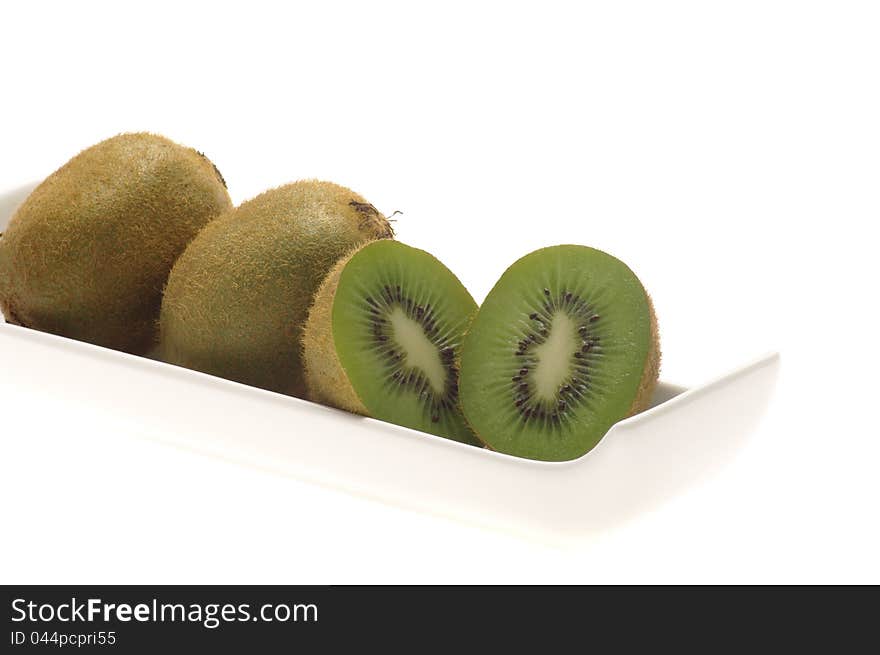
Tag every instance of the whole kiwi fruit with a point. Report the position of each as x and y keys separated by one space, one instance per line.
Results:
x=238 y=297
x=88 y=252
x=382 y=336
x=564 y=346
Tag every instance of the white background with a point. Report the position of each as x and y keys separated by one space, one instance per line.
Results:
x=728 y=151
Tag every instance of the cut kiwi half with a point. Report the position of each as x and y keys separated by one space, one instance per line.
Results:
x=564 y=346
x=382 y=339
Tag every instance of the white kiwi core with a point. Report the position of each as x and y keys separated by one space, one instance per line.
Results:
x=553 y=367
x=419 y=351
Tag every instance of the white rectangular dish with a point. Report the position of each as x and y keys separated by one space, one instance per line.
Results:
x=642 y=461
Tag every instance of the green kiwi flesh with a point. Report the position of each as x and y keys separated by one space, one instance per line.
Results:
x=238 y=297
x=395 y=317
x=564 y=346
x=88 y=252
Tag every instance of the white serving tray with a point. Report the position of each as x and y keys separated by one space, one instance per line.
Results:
x=641 y=462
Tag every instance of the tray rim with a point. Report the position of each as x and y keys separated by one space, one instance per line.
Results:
x=681 y=394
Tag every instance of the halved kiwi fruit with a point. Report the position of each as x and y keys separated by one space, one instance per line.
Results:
x=382 y=336
x=564 y=346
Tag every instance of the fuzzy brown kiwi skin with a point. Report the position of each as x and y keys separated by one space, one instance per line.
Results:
x=214 y=166
x=651 y=372
x=237 y=299
x=87 y=254
x=326 y=380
